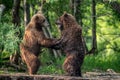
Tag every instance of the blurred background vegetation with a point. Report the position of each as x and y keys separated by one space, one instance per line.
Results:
x=100 y=21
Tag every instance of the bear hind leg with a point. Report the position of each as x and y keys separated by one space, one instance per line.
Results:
x=34 y=66
x=71 y=66
x=31 y=60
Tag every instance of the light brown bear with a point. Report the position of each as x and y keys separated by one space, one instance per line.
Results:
x=33 y=39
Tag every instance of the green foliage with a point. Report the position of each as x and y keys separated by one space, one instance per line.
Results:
x=103 y=61
x=6 y=18
x=52 y=6
x=9 y=39
x=49 y=66
x=115 y=12
x=52 y=11
x=51 y=69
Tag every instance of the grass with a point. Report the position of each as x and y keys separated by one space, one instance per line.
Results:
x=50 y=66
x=102 y=61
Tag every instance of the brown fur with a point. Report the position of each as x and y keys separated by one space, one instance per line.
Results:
x=33 y=39
x=71 y=43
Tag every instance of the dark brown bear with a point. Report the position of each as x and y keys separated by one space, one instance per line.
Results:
x=71 y=43
x=33 y=39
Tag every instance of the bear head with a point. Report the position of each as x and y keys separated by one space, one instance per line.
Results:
x=39 y=20
x=66 y=21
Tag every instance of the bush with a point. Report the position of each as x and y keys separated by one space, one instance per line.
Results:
x=9 y=39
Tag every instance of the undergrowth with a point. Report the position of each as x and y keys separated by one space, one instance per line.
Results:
x=99 y=62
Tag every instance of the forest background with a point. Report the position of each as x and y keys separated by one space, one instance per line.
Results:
x=100 y=21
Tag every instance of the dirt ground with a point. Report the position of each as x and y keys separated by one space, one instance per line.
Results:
x=102 y=75
x=110 y=75
x=95 y=75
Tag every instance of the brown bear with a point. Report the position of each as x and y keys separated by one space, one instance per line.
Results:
x=71 y=44
x=33 y=39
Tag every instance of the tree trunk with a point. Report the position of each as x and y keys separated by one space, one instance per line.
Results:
x=78 y=12
x=94 y=40
x=26 y=12
x=15 y=12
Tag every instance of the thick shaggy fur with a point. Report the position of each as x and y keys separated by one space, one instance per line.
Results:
x=71 y=43
x=33 y=39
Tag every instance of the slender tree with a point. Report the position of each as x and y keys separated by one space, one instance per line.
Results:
x=78 y=12
x=26 y=12
x=94 y=41
x=15 y=12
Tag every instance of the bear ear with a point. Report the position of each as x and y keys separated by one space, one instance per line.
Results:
x=39 y=12
x=65 y=14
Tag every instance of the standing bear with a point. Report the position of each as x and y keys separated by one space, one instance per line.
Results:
x=71 y=44
x=33 y=40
